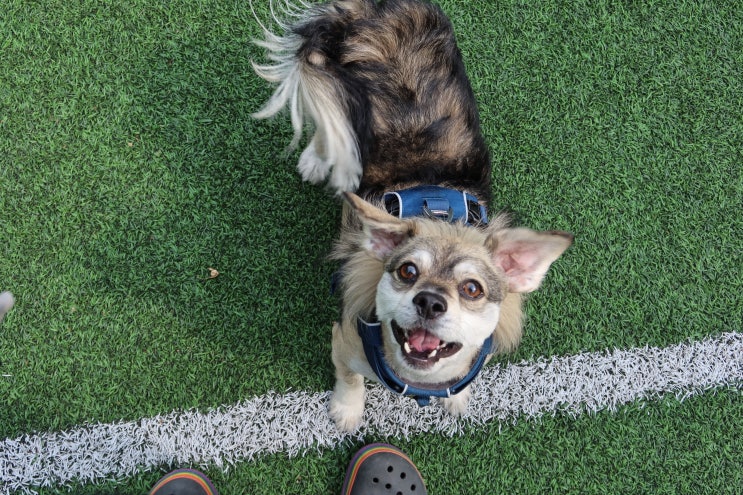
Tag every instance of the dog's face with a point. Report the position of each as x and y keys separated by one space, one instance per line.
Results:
x=440 y=291
x=438 y=300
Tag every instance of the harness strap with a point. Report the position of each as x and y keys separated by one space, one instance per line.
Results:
x=436 y=202
x=371 y=336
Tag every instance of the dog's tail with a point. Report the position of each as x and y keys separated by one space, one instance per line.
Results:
x=311 y=86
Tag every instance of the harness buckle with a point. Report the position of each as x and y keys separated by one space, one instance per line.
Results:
x=436 y=202
x=441 y=214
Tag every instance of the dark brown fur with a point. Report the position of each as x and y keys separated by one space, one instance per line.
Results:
x=409 y=99
x=384 y=85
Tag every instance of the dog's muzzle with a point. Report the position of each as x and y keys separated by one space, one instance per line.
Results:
x=421 y=348
x=371 y=337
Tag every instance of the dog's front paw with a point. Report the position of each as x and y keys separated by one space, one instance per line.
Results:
x=456 y=405
x=347 y=416
x=346 y=406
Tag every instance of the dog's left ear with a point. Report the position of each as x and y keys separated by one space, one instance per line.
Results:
x=382 y=231
x=525 y=255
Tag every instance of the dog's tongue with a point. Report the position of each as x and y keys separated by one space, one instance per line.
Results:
x=422 y=341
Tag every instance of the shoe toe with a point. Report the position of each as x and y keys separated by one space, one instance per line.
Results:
x=382 y=468
x=184 y=482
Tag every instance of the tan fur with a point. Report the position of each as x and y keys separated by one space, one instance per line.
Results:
x=385 y=89
x=363 y=269
x=381 y=43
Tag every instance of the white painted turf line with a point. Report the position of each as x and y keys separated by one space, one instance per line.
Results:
x=296 y=422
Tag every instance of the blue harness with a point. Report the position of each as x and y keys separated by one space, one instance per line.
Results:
x=433 y=202
x=371 y=336
x=436 y=202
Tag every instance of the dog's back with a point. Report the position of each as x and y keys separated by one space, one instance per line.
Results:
x=385 y=87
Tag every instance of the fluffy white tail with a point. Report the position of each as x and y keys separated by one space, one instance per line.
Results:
x=315 y=96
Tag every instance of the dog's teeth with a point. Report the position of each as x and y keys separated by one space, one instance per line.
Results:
x=433 y=353
x=406 y=346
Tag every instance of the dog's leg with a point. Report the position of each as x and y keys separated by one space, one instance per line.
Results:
x=312 y=166
x=347 y=404
x=456 y=405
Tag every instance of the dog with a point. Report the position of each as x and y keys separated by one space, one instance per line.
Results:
x=430 y=288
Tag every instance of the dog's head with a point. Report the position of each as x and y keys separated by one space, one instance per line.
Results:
x=443 y=285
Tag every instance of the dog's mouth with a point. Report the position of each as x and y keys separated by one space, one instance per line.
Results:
x=420 y=347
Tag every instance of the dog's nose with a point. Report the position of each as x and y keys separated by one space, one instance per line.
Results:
x=429 y=305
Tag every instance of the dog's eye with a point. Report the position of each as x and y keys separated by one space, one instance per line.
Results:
x=408 y=272
x=471 y=289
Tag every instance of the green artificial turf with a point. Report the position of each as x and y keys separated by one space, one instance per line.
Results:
x=129 y=166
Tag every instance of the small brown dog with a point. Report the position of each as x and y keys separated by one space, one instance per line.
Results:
x=430 y=288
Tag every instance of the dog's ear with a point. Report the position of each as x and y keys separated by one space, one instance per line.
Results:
x=524 y=255
x=382 y=231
